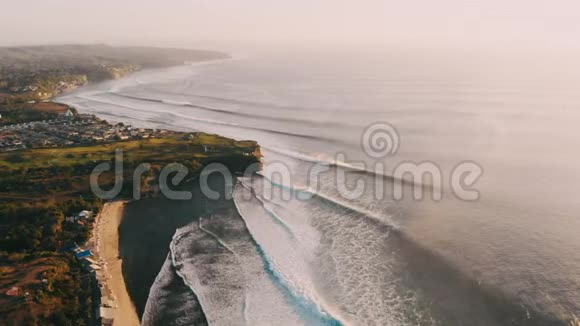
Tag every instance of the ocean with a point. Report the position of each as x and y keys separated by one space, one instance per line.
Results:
x=504 y=249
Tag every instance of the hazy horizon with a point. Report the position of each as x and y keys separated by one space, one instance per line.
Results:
x=448 y=23
x=416 y=160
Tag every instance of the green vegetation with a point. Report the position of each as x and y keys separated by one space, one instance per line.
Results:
x=173 y=148
x=40 y=187
x=53 y=290
x=39 y=226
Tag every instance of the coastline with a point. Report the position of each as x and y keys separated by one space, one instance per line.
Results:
x=132 y=251
x=57 y=98
x=107 y=236
x=106 y=277
x=147 y=230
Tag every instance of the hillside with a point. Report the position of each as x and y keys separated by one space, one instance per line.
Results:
x=42 y=72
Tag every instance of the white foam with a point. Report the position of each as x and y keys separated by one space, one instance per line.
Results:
x=232 y=288
x=292 y=256
x=174 y=102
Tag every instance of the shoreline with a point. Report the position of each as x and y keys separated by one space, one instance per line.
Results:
x=148 y=228
x=104 y=268
x=107 y=238
x=57 y=98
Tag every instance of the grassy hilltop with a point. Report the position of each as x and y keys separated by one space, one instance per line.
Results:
x=46 y=160
x=39 y=187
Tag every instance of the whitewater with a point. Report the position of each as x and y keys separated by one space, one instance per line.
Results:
x=291 y=252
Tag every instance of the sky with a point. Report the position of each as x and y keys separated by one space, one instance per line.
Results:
x=533 y=23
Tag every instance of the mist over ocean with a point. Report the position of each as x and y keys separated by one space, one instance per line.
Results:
x=510 y=258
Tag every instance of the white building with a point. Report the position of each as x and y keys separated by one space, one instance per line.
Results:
x=84 y=214
x=106 y=315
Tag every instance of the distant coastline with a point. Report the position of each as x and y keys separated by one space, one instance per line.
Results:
x=47 y=151
x=129 y=305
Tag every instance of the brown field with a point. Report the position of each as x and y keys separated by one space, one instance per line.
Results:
x=27 y=276
x=49 y=107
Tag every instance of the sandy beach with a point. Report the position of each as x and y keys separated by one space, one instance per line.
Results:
x=107 y=229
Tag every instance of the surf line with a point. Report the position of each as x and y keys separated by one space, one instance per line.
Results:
x=309 y=311
x=223 y=244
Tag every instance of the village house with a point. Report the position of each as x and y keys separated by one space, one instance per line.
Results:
x=85 y=214
x=65 y=131
x=80 y=253
x=13 y=292
x=68 y=114
x=82 y=215
x=106 y=315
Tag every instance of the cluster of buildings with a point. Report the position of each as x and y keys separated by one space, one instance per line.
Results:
x=96 y=267
x=50 y=88
x=68 y=130
x=81 y=218
x=10 y=142
x=23 y=89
